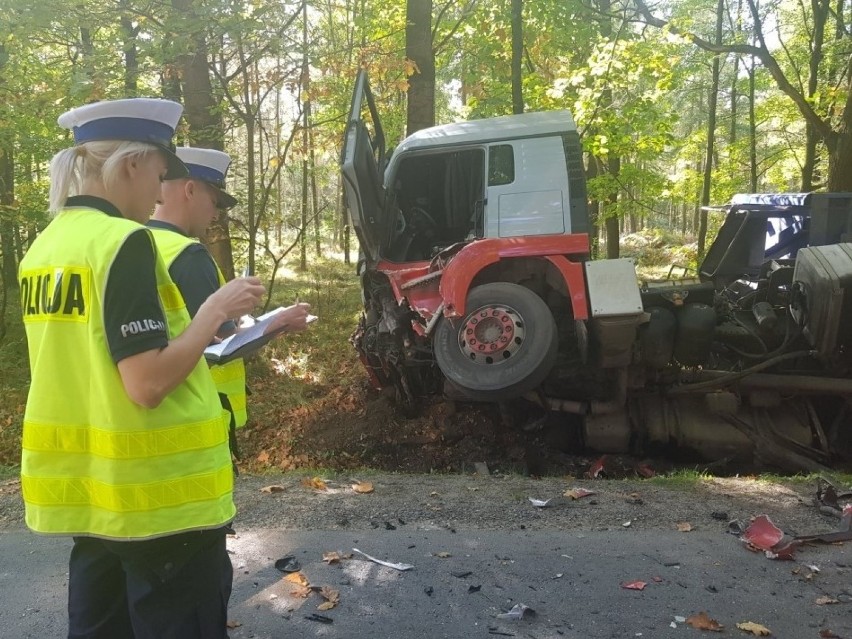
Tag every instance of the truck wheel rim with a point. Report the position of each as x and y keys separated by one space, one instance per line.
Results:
x=491 y=334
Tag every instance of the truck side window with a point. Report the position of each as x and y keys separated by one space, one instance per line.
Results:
x=501 y=165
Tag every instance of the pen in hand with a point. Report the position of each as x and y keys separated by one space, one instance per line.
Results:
x=246 y=320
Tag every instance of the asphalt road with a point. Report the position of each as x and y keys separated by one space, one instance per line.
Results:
x=462 y=580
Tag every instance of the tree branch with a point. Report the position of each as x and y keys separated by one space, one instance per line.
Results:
x=466 y=13
x=828 y=135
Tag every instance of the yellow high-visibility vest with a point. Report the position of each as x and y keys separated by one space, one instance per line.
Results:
x=94 y=462
x=230 y=378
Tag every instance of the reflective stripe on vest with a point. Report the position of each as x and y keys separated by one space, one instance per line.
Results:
x=76 y=491
x=94 y=462
x=230 y=378
x=49 y=438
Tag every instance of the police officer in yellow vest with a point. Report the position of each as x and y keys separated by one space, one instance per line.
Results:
x=125 y=443
x=188 y=207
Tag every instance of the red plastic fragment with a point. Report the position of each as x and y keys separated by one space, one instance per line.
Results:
x=762 y=533
x=646 y=471
x=634 y=585
x=596 y=467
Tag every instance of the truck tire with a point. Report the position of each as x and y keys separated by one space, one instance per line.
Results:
x=503 y=347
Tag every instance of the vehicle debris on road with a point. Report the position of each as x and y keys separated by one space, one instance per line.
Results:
x=400 y=566
x=764 y=535
x=518 y=611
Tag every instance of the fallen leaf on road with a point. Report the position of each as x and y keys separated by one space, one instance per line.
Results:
x=633 y=585
x=233 y=624
x=577 y=493
x=824 y=601
x=702 y=621
x=314 y=482
x=331 y=596
x=329 y=593
x=443 y=554
x=301 y=591
x=362 y=487
x=274 y=488
x=825 y=633
x=297 y=578
x=754 y=628
x=684 y=526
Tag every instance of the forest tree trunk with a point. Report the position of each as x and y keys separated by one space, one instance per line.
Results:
x=418 y=50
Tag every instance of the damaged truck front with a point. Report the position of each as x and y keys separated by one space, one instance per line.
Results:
x=477 y=284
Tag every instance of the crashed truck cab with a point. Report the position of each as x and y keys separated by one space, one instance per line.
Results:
x=471 y=234
x=477 y=284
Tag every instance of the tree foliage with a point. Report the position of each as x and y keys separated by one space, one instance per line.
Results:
x=635 y=77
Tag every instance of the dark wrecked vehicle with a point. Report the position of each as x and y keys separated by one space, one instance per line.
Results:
x=477 y=284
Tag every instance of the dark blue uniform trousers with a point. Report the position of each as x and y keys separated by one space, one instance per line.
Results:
x=174 y=587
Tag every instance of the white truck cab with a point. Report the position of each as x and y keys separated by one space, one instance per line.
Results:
x=504 y=177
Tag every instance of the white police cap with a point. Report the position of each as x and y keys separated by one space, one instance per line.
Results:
x=211 y=166
x=148 y=120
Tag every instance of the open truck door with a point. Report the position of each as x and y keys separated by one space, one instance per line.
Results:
x=362 y=166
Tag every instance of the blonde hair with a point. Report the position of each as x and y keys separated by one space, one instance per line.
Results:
x=91 y=160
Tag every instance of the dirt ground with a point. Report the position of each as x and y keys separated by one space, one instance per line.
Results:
x=356 y=427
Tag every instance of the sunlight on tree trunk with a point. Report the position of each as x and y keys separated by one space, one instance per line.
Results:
x=421 y=66
x=517 y=54
x=711 y=135
x=205 y=122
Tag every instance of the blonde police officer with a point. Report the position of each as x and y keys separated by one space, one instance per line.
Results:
x=125 y=443
x=188 y=207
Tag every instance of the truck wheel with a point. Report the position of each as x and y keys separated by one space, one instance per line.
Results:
x=503 y=347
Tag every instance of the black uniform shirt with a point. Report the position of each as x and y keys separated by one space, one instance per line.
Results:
x=134 y=321
x=195 y=274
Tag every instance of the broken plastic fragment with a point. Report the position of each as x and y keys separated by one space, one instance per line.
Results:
x=634 y=585
x=762 y=533
x=539 y=503
x=400 y=567
x=596 y=468
x=645 y=470
x=288 y=564
x=517 y=612
x=828 y=496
